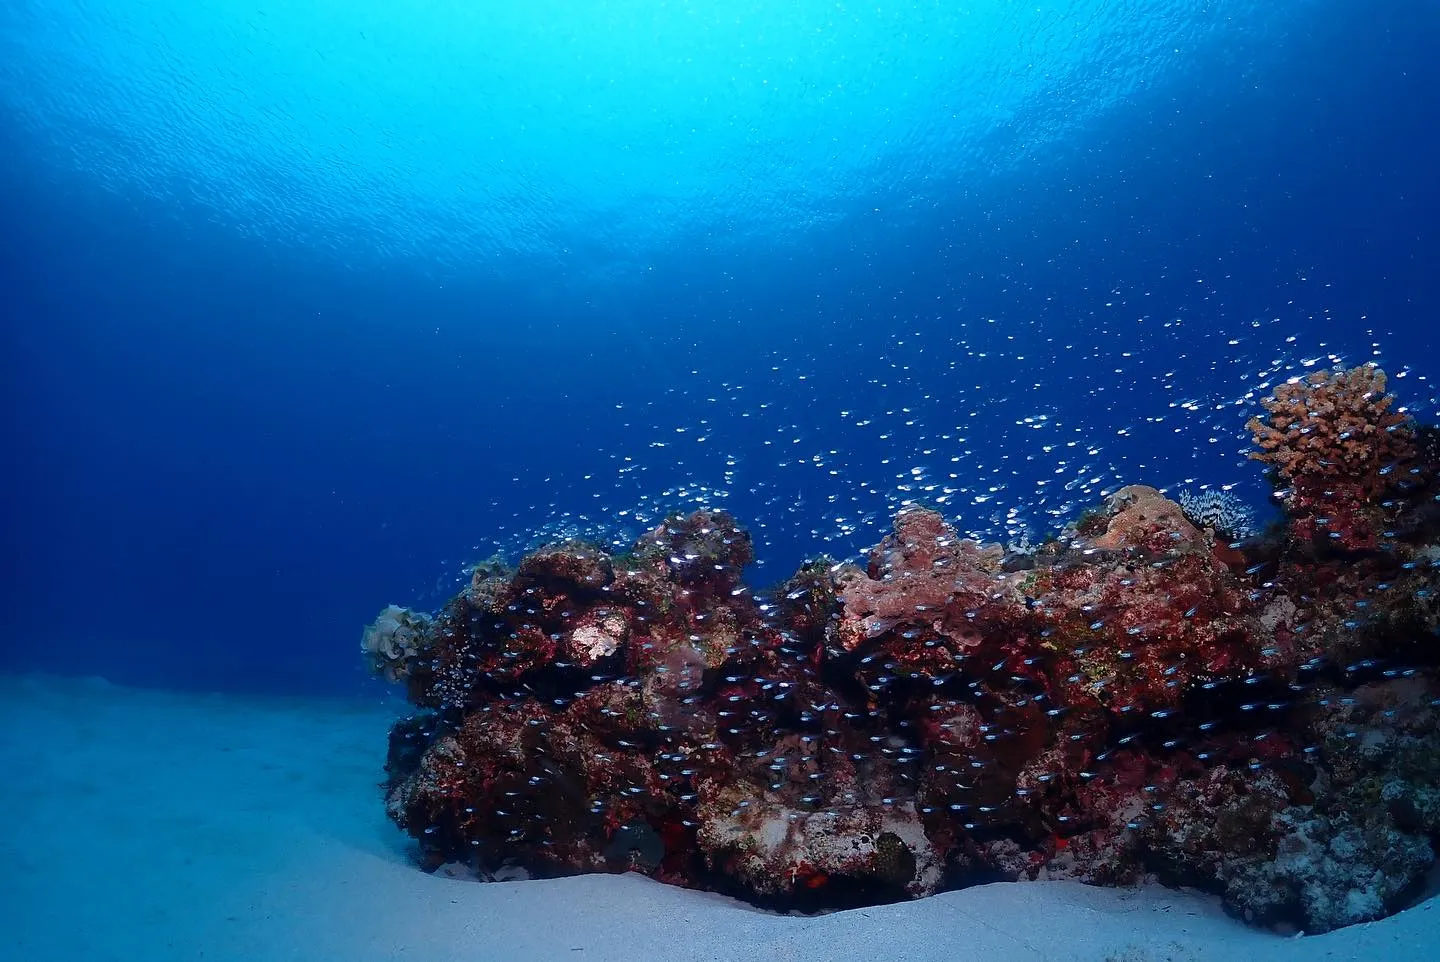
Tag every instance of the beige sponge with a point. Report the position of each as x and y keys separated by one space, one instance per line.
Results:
x=395 y=641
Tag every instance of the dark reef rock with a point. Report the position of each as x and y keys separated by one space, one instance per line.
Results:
x=1137 y=699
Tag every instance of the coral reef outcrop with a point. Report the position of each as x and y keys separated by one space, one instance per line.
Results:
x=1141 y=697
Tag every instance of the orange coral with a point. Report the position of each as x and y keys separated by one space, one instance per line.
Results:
x=1145 y=519
x=1334 y=425
x=1333 y=437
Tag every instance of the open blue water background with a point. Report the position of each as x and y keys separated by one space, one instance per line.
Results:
x=306 y=305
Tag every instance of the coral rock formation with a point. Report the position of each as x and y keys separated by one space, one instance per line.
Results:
x=1135 y=699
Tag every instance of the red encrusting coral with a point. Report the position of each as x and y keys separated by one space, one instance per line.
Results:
x=1135 y=698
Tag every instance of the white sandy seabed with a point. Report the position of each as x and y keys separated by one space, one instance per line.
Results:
x=139 y=825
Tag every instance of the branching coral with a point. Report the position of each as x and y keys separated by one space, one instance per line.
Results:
x=1334 y=438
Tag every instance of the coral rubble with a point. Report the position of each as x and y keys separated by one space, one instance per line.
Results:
x=1138 y=698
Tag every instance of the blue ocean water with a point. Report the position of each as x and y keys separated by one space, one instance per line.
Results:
x=308 y=305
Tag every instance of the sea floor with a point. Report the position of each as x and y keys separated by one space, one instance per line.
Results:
x=145 y=825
